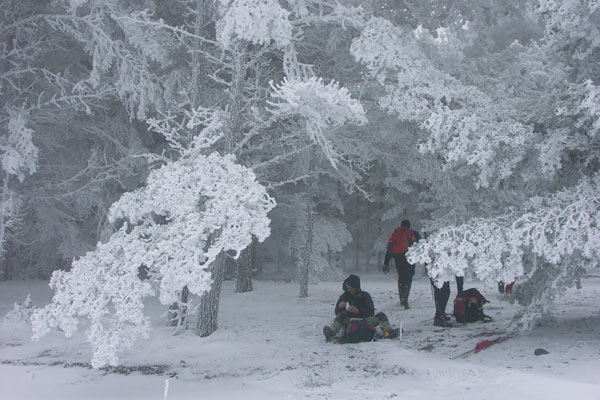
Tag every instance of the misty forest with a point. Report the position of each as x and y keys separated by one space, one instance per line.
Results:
x=160 y=148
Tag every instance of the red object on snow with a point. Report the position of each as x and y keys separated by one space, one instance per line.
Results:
x=482 y=345
x=509 y=287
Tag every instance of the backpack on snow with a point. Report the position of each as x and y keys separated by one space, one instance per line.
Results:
x=468 y=306
x=359 y=330
x=402 y=239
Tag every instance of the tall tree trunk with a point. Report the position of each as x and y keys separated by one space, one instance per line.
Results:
x=208 y=309
x=305 y=265
x=357 y=238
x=380 y=254
x=209 y=302
x=3 y=212
x=243 y=266
x=367 y=242
x=231 y=268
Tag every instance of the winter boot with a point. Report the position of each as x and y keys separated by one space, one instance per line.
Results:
x=327 y=333
x=403 y=295
x=391 y=334
x=441 y=322
x=406 y=293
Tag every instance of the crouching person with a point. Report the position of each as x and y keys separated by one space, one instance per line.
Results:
x=356 y=303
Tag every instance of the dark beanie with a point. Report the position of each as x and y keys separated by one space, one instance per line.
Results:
x=405 y=223
x=352 y=281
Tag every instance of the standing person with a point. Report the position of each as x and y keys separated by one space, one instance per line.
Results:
x=400 y=240
x=356 y=303
x=440 y=298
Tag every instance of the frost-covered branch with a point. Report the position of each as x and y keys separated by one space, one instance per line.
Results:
x=544 y=247
x=322 y=107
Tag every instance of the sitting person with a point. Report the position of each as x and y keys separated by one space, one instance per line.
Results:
x=355 y=303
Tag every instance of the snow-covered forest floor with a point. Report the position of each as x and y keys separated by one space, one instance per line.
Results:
x=269 y=346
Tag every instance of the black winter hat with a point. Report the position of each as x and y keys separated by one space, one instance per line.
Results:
x=405 y=223
x=352 y=281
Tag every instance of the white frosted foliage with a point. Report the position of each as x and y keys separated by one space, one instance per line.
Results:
x=19 y=154
x=322 y=106
x=544 y=248
x=255 y=21
x=189 y=211
x=463 y=122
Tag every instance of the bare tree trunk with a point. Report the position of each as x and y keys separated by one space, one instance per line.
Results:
x=5 y=268
x=231 y=268
x=305 y=265
x=209 y=302
x=357 y=238
x=367 y=241
x=208 y=309
x=380 y=231
x=243 y=266
x=257 y=267
x=244 y=269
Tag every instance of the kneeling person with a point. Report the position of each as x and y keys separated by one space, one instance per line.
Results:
x=355 y=303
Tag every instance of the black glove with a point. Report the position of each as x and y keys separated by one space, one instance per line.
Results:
x=386 y=268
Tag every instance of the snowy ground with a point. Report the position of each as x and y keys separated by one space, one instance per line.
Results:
x=270 y=346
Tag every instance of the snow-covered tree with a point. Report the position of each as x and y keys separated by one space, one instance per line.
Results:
x=505 y=102
x=322 y=109
x=189 y=212
x=83 y=152
x=545 y=247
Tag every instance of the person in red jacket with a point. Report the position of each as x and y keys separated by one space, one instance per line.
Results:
x=400 y=240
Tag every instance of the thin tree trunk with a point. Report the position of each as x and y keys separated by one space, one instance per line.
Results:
x=305 y=265
x=5 y=268
x=380 y=231
x=367 y=241
x=357 y=238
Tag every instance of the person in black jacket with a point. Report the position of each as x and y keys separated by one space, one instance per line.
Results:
x=356 y=303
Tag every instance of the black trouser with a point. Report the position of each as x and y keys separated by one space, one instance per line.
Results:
x=406 y=272
x=441 y=295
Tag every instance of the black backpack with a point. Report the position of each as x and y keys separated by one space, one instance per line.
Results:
x=359 y=330
x=468 y=306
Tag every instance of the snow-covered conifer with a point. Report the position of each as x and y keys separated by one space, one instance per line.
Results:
x=189 y=212
x=18 y=153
